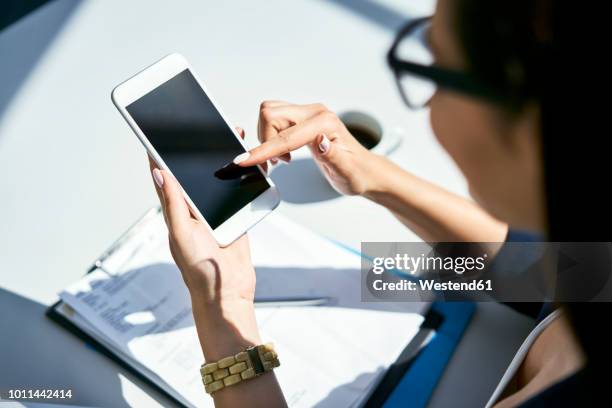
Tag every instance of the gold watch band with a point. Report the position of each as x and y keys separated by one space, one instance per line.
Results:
x=245 y=365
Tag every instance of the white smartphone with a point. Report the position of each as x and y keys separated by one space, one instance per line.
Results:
x=186 y=134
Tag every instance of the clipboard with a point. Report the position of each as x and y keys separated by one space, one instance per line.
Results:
x=412 y=379
x=421 y=362
x=90 y=341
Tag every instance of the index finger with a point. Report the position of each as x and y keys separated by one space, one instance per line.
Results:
x=288 y=140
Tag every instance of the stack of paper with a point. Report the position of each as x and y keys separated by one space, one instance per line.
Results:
x=136 y=304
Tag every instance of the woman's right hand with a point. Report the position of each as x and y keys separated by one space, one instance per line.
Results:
x=284 y=127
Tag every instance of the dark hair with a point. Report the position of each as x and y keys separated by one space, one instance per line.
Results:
x=509 y=56
x=519 y=46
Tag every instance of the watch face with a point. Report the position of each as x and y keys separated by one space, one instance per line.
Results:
x=256 y=360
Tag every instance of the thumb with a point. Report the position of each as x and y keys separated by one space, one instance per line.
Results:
x=175 y=207
x=323 y=148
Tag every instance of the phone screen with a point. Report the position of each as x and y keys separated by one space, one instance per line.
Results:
x=197 y=145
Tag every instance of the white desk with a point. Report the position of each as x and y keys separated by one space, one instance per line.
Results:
x=73 y=176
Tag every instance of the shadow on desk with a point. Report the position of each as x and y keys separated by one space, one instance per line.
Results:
x=301 y=182
x=37 y=353
x=374 y=12
x=23 y=44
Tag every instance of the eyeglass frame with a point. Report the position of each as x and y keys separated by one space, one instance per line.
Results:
x=443 y=77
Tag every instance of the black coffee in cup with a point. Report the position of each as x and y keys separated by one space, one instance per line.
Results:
x=365 y=136
x=364 y=127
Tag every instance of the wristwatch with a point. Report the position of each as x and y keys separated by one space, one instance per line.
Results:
x=245 y=365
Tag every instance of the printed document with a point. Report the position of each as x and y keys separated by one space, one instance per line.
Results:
x=136 y=304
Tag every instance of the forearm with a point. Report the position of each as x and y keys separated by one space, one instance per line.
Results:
x=433 y=213
x=225 y=331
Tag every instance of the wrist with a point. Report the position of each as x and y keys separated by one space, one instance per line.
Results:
x=375 y=172
x=225 y=328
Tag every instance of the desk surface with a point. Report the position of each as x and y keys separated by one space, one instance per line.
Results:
x=74 y=176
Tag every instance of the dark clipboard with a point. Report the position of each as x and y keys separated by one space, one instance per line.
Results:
x=60 y=319
x=444 y=321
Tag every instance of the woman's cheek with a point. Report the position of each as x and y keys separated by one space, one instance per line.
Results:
x=436 y=118
x=457 y=129
x=444 y=124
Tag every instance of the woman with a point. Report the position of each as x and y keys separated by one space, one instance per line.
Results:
x=490 y=121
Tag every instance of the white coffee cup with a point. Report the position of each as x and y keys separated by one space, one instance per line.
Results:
x=370 y=133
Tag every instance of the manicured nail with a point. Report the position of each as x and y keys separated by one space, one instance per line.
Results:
x=241 y=157
x=324 y=145
x=159 y=179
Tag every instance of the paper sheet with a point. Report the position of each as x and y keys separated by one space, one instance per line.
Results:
x=330 y=355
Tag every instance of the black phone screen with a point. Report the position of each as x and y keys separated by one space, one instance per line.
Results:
x=198 y=147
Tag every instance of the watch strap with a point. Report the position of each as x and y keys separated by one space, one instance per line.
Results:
x=231 y=370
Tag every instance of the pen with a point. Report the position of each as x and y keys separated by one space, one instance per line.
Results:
x=292 y=301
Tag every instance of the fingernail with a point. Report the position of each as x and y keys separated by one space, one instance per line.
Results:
x=159 y=179
x=241 y=157
x=324 y=145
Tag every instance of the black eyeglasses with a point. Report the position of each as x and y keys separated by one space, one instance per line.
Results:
x=417 y=77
